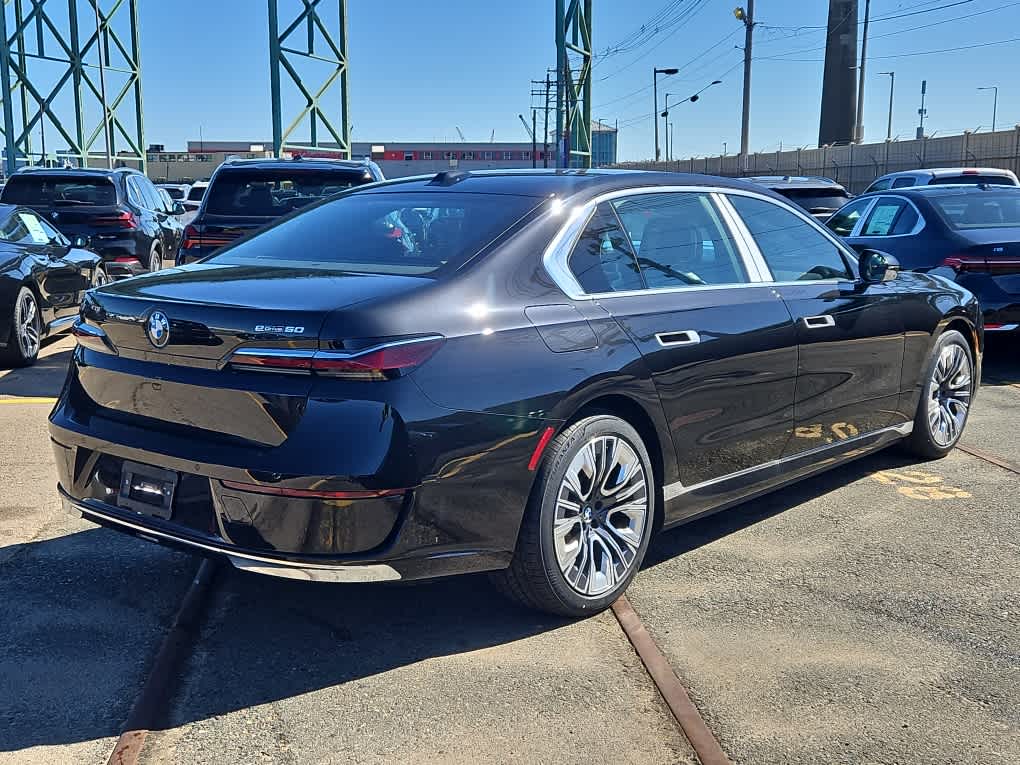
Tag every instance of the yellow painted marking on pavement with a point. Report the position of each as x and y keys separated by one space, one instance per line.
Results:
x=28 y=400
x=918 y=484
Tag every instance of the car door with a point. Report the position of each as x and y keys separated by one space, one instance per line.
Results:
x=149 y=203
x=41 y=247
x=69 y=271
x=173 y=225
x=850 y=334
x=721 y=349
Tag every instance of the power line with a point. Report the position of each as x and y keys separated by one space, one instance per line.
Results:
x=629 y=121
x=688 y=14
x=906 y=55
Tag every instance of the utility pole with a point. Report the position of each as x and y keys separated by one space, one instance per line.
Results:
x=543 y=88
x=534 y=148
x=747 y=17
x=995 y=103
x=859 y=126
x=922 y=112
x=892 y=86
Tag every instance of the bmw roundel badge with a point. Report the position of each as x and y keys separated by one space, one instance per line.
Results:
x=158 y=329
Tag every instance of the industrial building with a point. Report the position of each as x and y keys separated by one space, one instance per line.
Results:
x=397 y=159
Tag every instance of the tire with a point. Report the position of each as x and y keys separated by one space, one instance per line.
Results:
x=99 y=277
x=608 y=545
x=945 y=398
x=26 y=331
x=155 y=259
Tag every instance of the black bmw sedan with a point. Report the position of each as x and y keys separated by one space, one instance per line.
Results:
x=524 y=373
x=43 y=277
x=969 y=234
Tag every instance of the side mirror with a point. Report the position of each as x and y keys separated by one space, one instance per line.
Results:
x=80 y=242
x=878 y=267
x=178 y=209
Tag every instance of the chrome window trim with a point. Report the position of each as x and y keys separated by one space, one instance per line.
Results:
x=557 y=253
x=677 y=488
x=917 y=229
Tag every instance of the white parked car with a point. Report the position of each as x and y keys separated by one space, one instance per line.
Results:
x=944 y=175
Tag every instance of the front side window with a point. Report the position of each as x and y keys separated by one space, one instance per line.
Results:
x=602 y=260
x=843 y=222
x=414 y=233
x=195 y=193
x=882 y=185
x=890 y=217
x=680 y=240
x=24 y=227
x=793 y=249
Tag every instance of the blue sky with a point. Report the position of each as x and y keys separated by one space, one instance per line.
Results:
x=420 y=70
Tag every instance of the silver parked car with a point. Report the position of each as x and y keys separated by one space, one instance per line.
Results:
x=944 y=175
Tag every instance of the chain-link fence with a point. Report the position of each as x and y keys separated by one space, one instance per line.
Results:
x=857 y=166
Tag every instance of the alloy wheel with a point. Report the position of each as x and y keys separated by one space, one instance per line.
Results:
x=26 y=318
x=155 y=260
x=949 y=395
x=601 y=510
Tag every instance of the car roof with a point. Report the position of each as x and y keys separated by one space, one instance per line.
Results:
x=942 y=172
x=796 y=182
x=75 y=171
x=556 y=182
x=324 y=163
x=945 y=190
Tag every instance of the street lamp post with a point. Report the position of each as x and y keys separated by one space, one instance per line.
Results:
x=995 y=102
x=655 y=96
x=665 y=124
x=892 y=85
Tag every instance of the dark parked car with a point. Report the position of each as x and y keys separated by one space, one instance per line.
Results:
x=120 y=211
x=244 y=195
x=968 y=234
x=519 y=372
x=819 y=196
x=42 y=280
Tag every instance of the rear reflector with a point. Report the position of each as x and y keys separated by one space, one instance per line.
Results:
x=278 y=491
x=380 y=362
x=543 y=441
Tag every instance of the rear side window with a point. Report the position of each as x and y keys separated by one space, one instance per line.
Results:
x=905 y=182
x=385 y=233
x=793 y=249
x=680 y=240
x=60 y=191
x=602 y=259
x=195 y=193
x=882 y=185
x=174 y=192
x=890 y=217
x=272 y=193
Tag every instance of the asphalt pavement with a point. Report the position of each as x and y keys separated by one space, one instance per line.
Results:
x=868 y=615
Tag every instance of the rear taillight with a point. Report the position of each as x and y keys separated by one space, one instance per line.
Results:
x=126 y=220
x=191 y=237
x=999 y=264
x=380 y=362
x=91 y=337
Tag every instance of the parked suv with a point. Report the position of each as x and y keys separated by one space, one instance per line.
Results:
x=944 y=175
x=120 y=211
x=819 y=196
x=244 y=195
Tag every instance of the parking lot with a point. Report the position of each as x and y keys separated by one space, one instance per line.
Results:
x=869 y=615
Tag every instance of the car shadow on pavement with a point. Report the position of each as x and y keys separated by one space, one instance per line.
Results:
x=690 y=536
x=92 y=608
x=44 y=378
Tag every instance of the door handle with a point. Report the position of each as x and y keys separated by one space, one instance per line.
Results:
x=817 y=322
x=674 y=339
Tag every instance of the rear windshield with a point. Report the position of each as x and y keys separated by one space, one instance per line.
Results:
x=974 y=179
x=173 y=191
x=816 y=200
x=272 y=193
x=979 y=209
x=45 y=191
x=385 y=233
x=195 y=193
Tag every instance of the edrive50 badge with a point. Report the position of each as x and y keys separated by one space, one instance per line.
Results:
x=279 y=330
x=158 y=329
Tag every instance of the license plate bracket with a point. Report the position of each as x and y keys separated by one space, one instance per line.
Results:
x=147 y=490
